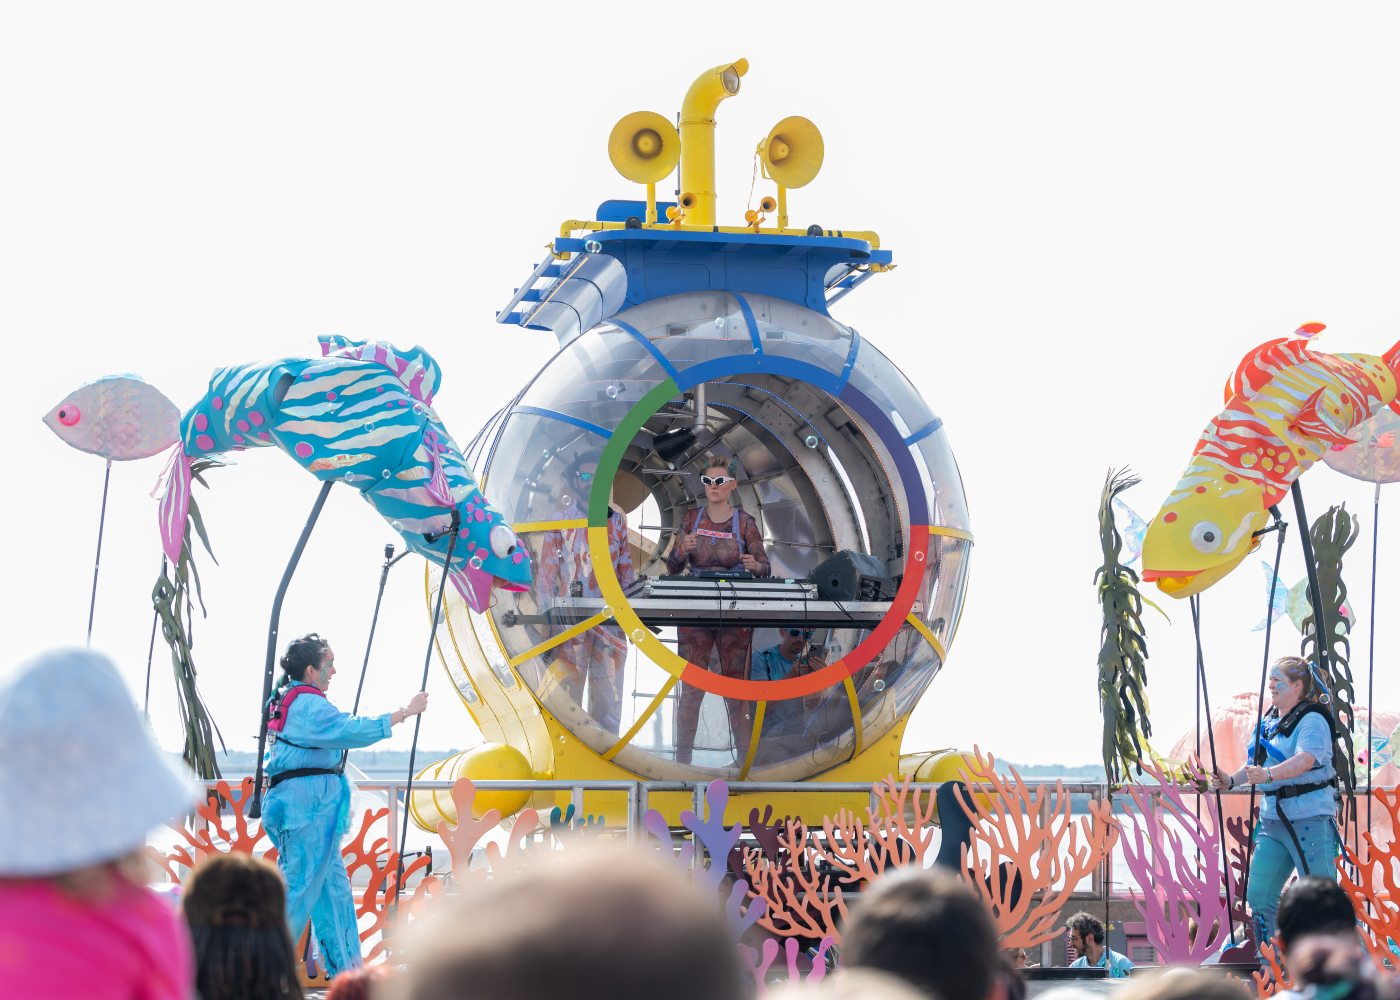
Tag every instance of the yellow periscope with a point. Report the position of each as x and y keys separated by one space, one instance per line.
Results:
x=1203 y=531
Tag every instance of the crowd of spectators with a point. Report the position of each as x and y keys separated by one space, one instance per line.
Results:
x=77 y=919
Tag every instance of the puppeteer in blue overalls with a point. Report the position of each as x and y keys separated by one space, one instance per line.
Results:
x=306 y=810
x=1292 y=766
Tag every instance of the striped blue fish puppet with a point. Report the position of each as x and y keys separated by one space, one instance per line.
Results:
x=361 y=414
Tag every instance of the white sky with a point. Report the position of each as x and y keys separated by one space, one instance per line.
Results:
x=1096 y=210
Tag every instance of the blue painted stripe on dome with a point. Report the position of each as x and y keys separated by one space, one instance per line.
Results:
x=850 y=360
x=651 y=348
x=747 y=364
x=919 y=435
x=540 y=411
x=903 y=458
x=752 y=324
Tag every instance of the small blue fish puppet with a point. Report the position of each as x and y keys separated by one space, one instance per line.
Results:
x=1131 y=528
x=1278 y=603
x=119 y=417
x=361 y=414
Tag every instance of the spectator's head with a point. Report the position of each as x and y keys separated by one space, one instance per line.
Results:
x=357 y=984
x=603 y=927
x=1313 y=905
x=1085 y=930
x=1335 y=963
x=82 y=782
x=930 y=930
x=235 y=905
x=1181 y=984
x=1316 y=930
x=864 y=984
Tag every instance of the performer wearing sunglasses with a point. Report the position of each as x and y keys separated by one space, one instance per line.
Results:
x=793 y=656
x=716 y=537
x=599 y=654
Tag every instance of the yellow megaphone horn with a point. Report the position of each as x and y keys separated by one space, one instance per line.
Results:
x=644 y=147
x=792 y=155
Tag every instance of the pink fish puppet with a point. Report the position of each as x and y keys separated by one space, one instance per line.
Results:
x=120 y=417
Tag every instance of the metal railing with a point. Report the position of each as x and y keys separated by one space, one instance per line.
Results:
x=639 y=794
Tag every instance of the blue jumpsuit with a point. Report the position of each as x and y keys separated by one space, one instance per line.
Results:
x=307 y=816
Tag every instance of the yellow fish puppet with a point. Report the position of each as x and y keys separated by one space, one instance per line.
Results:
x=1284 y=407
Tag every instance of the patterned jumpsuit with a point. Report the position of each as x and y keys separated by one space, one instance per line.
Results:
x=600 y=654
x=716 y=548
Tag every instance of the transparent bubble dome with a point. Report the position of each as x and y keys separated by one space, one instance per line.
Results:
x=834 y=450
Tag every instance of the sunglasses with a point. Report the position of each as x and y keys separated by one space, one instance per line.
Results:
x=717 y=480
x=795 y=632
x=584 y=477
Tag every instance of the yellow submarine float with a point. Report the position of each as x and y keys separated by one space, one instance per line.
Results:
x=680 y=338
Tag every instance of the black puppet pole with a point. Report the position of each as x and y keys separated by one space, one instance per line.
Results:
x=255 y=807
x=97 y=561
x=1281 y=526
x=1321 y=633
x=1214 y=766
x=418 y=720
x=389 y=561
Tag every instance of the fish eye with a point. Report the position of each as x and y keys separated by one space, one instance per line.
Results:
x=1206 y=536
x=68 y=415
x=502 y=541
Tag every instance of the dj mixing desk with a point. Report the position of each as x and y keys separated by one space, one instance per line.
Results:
x=708 y=602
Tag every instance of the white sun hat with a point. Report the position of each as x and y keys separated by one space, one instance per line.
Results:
x=80 y=780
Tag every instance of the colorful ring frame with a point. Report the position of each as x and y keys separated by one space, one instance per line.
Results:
x=695 y=676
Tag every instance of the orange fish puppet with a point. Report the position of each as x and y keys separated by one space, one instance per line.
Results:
x=1284 y=407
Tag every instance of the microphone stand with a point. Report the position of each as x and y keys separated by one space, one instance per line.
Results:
x=389 y=561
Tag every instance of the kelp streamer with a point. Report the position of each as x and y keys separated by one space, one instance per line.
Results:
x=173 y=604
x=1332 y=535
x=1123 y=654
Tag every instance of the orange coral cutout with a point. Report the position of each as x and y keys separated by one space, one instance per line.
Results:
x=1008 y=823
x=1377 y=915
x=376 y=901
x=801 y=900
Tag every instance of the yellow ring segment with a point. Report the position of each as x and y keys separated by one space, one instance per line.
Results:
x=754 y=737
x=933 y=639
x=632 y=626
x=562 y=637
x=855 y=715
x=616 y=748
x=938 y=529
x=528 y=526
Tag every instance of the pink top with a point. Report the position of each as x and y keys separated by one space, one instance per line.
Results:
x=131 y=945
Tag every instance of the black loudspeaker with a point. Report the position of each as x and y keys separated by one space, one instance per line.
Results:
x=852 y=576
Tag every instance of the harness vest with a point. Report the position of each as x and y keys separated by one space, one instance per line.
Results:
x=280 y=709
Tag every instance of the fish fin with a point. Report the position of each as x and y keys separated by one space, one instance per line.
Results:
x=1236 y=385
x=175 y=504
x=475 y=587
x=1311 y=423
